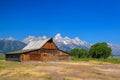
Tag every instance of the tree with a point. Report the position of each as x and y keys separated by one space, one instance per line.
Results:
x=100 y=50
x=79 y=53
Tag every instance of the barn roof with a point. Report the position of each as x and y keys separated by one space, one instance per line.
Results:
x=34 y=45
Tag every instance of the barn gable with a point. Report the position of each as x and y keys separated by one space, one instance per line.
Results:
x=49 y=45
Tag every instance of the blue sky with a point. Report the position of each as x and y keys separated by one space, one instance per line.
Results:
x=90 y=20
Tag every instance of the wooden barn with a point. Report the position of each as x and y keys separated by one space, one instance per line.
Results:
x=42 y=50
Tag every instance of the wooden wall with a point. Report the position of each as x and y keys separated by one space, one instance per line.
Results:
x=46 y=55
x=63 y=56
x=41 y=55
x=49 y=45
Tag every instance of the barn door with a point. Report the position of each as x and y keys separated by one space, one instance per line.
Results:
x=45 y=57
x=49 y=57
x=25 y=57
x=35 y=57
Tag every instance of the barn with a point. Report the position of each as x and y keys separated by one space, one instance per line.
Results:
x=41 y=50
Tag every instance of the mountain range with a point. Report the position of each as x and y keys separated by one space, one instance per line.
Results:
x=8 y=45
x=64 y=43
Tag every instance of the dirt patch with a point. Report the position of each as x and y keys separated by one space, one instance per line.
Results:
x=112 y=70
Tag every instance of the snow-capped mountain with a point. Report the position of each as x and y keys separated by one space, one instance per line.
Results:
x=115 y=49
x=66 y=43
x=33 y=38
x=10 y=38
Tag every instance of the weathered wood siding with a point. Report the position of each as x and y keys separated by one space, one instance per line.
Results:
x=25 y=57
x=63 y=56
x=41 y=55
x=49 y=45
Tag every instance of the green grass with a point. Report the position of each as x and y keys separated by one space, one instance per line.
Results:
x=2 y=67
x=49 y=78
x=23 y=75
x=66 y=78
x=2 y=57
x=110 y=60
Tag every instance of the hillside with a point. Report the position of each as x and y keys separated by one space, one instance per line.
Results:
x=7 y=45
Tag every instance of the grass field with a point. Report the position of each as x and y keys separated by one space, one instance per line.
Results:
x=2 y=57
x=110 y=60
x=77 y=69
x=74 y=70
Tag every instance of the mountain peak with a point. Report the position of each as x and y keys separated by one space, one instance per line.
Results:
x=33 y=38
x=1 y=39
x=10 y=38
x=76 y=39
x=29 y=39
x=58 y=36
